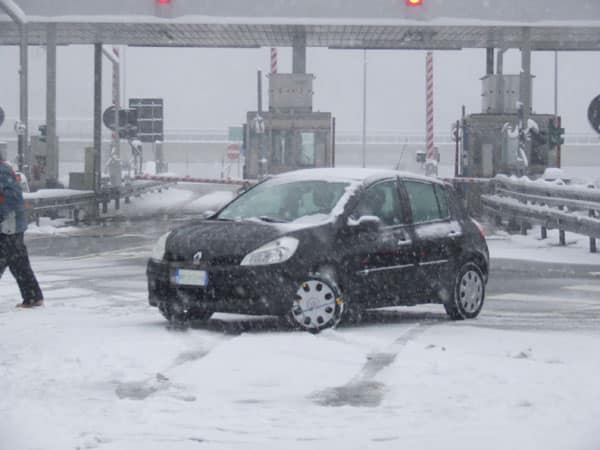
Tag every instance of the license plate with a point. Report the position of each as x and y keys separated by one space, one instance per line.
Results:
x=185 y=277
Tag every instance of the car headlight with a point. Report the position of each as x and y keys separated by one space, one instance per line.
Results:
x=158 y=252
x=274 y=252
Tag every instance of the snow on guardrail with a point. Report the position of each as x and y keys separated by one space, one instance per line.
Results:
x=573 y=208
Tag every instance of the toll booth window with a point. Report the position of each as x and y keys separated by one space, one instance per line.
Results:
x=307 y=150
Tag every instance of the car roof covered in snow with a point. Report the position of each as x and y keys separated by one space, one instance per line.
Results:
x=364 y=176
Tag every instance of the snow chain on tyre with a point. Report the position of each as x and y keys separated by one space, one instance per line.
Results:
x=317 y=305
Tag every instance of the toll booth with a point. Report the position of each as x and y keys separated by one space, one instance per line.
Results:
x=290 y=135
x=499 y=140
x=42 y=160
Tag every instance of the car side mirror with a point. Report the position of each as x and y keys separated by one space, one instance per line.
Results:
x=207 y=214
x=365 y=223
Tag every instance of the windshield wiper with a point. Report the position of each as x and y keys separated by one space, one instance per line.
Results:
x=271 y=219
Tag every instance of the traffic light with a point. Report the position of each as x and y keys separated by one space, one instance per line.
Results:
x=555 y=134
x=414 y=2
x=164 y=8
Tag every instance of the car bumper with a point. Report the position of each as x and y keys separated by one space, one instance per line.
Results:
x=235 y=289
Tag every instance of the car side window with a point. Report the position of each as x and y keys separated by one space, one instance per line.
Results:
x=425 y=203
x=381 y=200
x=442 y=197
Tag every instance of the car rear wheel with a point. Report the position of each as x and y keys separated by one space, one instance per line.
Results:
x=318 y=304
x=468 y=293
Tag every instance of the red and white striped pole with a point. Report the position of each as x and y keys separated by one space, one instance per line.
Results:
x=429 y=99
x=273 y=60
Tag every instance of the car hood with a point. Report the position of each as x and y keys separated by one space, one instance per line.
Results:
x=221 y=242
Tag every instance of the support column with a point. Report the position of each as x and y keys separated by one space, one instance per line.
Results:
x=97 y=116
x=23 y=142
x=299 y=53
x=364 y=124
x=525 y=84
x=51 y=99
x=489 y=61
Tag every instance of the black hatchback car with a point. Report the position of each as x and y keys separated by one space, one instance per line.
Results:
x=318 y=245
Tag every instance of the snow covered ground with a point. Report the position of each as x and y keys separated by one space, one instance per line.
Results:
x=97 y=368
x=533 y=248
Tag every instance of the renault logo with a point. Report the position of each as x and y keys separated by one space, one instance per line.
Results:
x=197 y=257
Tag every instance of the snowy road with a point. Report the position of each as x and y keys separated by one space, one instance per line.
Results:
x=97 y=368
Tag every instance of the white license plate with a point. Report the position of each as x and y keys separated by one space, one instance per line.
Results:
x=191 y=277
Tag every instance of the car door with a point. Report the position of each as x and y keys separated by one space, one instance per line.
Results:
x=438 y=235
x=380 y=262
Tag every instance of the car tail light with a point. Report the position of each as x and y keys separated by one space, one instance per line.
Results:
x=480 y=228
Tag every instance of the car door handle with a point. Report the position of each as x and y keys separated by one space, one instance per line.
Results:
x=453 y=233
x=404 y=241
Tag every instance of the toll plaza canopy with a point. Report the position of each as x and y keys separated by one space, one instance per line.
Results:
x=371 y=24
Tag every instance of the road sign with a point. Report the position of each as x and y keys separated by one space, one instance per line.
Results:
x=150 y=113
x=594 y=114
x=233 y=151
x=1 y=116
x=128 y=125
x=236 y=134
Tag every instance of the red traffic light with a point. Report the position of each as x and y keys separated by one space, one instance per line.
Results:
x=414 y=2
x=163 y=2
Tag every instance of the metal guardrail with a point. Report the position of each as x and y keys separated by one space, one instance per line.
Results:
x=566 y=208
x=72 y=203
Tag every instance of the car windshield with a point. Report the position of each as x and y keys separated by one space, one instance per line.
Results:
x=279 y=201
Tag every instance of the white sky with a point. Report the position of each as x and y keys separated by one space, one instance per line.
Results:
x=213 y=88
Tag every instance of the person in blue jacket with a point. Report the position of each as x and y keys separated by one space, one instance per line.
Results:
x=13 y=223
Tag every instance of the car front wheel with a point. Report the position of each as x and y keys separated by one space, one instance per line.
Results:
x=318 y=304
x=468 y=293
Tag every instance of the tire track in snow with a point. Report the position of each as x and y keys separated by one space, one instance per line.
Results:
x=141 y=390
x=362 y=389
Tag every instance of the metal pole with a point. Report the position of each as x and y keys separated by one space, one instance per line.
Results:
x=14 y=11
x=124 y=75
x=259 y=91
x=262 y=162
x=97 y=116
x=555 y=84
x=333 y=142
x=51 y=97
x=457 y=152
x=489 y=61
x=364 y=129
x=115 y=157
x=525 y=88
x=23 y=98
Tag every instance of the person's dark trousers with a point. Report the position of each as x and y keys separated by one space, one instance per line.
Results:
x=13 y=254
